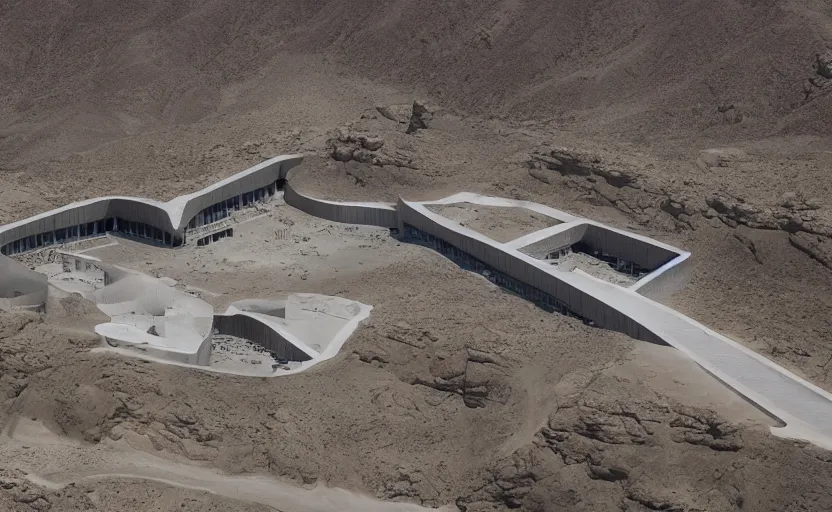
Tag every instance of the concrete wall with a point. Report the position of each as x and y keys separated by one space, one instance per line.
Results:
x=627 y=246
x=80 y=262
x=526 y=270
x=200 y=358
x=251 y=179
x=21 y=287
x=134 y=210
x=370 y=214
x=560 y=240
x=243 y=326
x=667 y=279
x=171 y=217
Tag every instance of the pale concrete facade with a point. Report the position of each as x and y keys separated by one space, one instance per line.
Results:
x=519 y=265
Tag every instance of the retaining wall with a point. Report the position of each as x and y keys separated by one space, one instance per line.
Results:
x=21 y=288
x=526 y=270
x=171 y=217
x=247 y=327
x=560 y=240
x=145 y=211
x=251 y=179
x=368 y=214
x=627 y=246
x=667 y=279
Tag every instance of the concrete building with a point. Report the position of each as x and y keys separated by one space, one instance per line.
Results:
x=528 y=266
x=146 y=219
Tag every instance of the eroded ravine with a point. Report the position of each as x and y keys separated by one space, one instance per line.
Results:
x=54 y=462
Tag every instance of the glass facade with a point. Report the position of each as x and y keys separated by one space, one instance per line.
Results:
x=91 y=230
x=214 y=213
x=59 y=236
x=215 y=237
x=219 y=211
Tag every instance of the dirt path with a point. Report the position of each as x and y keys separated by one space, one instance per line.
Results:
x=54 y=462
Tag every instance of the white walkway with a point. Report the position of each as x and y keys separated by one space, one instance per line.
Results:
x=805 y=408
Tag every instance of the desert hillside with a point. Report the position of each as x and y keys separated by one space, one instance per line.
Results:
x=702 y=124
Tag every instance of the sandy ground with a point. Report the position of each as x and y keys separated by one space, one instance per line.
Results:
x=500 y=224
x=710 y=134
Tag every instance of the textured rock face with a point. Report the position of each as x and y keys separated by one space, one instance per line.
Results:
x=420 y=117
x=823 y=64
x=566 y=163
x=816 y=246
x=350 y=146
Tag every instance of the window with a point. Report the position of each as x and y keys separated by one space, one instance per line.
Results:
x=110 y=224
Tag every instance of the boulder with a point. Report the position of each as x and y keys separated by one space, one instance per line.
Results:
x=398 y=113
x=420 y=117
x=823 y=64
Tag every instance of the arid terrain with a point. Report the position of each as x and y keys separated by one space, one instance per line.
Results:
x=705 y=125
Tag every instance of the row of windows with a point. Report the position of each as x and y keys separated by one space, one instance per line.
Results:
x=142 y=230
x=218 y=211
x=59 y=236
x=465 y=260
x=88 y=230
x=214 y=237
x=213 y=213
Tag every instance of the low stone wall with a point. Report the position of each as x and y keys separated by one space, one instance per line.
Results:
x=368 y=214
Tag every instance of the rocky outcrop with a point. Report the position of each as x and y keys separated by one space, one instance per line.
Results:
x=670 y=207
x=349 y=146
x=704 y=428
x=575 y=430
x=823 y=64
x=18 y=490
x=568 y=163
x=821 y=81
x=476 y=376
x=410 y=484
x=816 y=246
x=609 y=440
x=749 y=244
x=734 y=211
x=420 y=117
x=720 y=157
